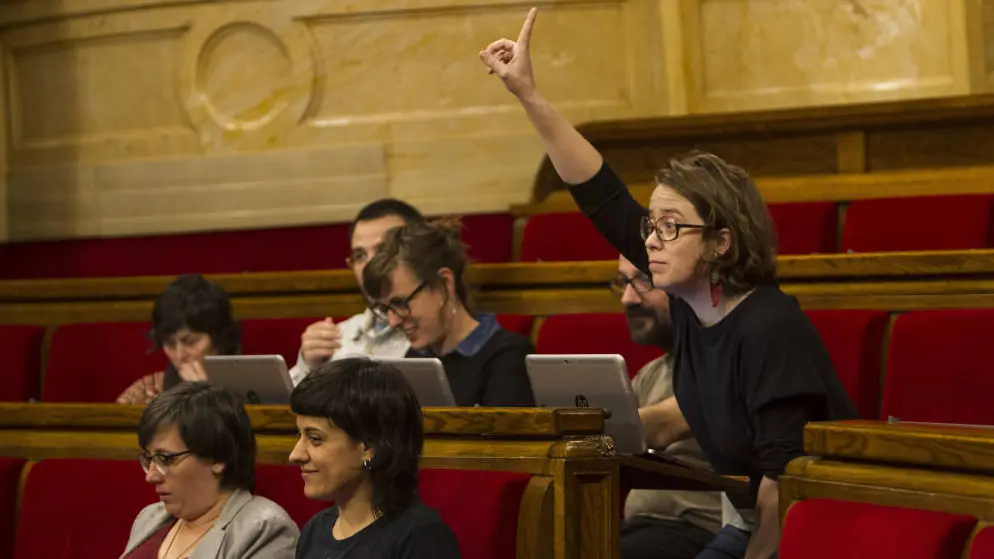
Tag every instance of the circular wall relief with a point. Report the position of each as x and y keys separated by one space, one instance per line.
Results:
x=243 y=75
x=246 y=80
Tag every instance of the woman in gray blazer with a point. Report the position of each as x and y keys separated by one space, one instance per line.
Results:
x=198 y=450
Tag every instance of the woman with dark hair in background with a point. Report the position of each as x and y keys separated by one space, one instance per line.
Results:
x=416 y=284
x=198 y=450
x=360 y=440
x=191 y=319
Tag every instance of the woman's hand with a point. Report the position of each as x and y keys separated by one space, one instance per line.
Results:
x=511 y=60
x=192 y=371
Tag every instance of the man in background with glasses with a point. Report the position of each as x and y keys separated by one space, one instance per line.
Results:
x=661 y=524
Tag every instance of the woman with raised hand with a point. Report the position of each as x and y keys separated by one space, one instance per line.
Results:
x=750 y=370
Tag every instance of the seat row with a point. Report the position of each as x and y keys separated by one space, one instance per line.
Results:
x=922 y=365
x=54 y=501
x=873 y=225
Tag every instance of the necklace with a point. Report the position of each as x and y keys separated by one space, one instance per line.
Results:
x=181 y=524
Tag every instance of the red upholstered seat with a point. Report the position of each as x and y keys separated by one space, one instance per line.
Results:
x=830 y=529
x=283 y=485
x=276 y=336
x=983 y=544
x=21 y=350
x=854 y=339
x=593 y=334
x=918 y=223
x=490 y=237
x=95 y=362
x=486 y=523
x=80 y=509
x=10 y=478
x=517 y=323
x=805 y=227
x=560 y=237
x=940 y=368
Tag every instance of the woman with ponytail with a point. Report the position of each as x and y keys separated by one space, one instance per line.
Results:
x=416 y=284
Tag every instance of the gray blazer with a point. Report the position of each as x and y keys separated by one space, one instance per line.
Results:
x=249 y=527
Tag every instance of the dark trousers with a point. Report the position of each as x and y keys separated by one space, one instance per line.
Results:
x=730 y=543
x=645 y=537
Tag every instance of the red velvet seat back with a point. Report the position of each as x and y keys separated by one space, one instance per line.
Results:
x=560 y=237
x=20 y=347
x=489 y=237
x=983 y=544
x=829 y=529
x=481 y=507
x=940 y=367
x=276 y=336
x=918 y=223
x=95 y=362
x=593 y=334
x=517 y=323
x=854 y=339
x=10 y=479
x=805 y=227
x=80 y=509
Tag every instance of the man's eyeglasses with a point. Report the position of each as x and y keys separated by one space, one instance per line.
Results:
x=667 y=229
x=401 y=308
x=161 y=461
x=639 y=283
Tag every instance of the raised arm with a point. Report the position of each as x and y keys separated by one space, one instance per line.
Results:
x=571 y=154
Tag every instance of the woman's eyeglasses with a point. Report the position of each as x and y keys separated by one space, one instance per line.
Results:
x=401 y=308
x=161 y=461
x=666 y=228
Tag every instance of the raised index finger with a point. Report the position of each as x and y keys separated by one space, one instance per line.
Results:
x=524 y=38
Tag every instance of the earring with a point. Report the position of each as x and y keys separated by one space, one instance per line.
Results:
x=715 y=289
x=367 y=464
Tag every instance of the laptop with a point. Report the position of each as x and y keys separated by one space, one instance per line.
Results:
x=591 y=381
x=260 y=379
x=427 y=376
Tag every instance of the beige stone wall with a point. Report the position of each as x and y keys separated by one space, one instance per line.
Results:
x=136 y=116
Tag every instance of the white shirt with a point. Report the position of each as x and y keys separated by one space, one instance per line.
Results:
x=362 y=334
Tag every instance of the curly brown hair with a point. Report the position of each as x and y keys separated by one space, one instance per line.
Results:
x=726 y=198
x=425 y=248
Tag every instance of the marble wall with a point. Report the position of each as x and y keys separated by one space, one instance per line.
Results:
x=140 y=116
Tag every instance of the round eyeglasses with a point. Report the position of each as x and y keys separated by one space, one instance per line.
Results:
x=639 y=283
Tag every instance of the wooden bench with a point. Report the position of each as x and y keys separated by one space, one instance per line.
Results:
x=888 y=281
x=570 y=508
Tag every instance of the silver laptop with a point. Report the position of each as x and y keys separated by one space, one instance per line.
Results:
x=427 y=376
x=591 y=381
x=260 y=379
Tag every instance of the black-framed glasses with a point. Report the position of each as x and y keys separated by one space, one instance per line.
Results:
x=400 y=307
x=161 y=461
x=640 y=283
x=666 y=228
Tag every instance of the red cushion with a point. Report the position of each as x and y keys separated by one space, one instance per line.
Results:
x=80 y=509
x=283 y=485
x=10 y=479
x=489 y=237
x=983 y=544
x=939 y=367
x=593 y=334
x=854 y=340
x=563 y=237
x=95 y=362
x=517 y=323
x=276 y=336
x=805 y=227
x=21 y=350
x=481 y=507
x=918 y=223
x=830 y=529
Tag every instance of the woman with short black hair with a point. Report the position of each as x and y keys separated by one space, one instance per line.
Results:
x=198 y=450
x=191 y=319
x=360 y=441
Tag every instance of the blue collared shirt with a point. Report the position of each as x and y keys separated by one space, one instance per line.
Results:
x=474 y=342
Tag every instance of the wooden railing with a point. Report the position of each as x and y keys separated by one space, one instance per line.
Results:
x=570 y=508
x=937 y=467
x=889 y=281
